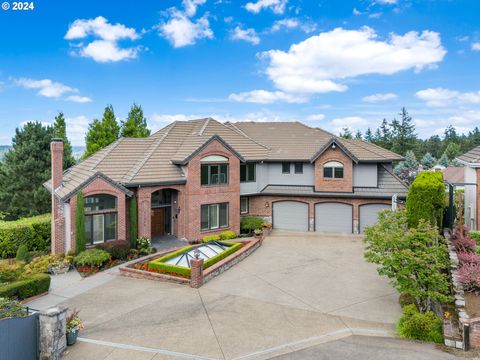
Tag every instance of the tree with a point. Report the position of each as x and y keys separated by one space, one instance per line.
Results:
x=407 y=170
x=60 y=132
x=444 y=160
x=403 y=133
x=136 y=125
x=428 y=161
x=358 y=135
x=24 y=170
x=369 y=135
x=385 y=135
x=452 y=151
x=346 y=133
x=133 y=222
x=101 y=133
x=80 y=235
x=414 y=259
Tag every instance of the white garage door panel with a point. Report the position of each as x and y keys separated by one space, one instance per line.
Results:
x=290 y=215
x=369 y=214
x=333 y=217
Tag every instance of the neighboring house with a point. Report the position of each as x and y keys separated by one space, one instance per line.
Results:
x=471 y=160
x=195 y=178
x=454 y=175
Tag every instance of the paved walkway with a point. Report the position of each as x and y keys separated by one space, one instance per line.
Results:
x=298 y=290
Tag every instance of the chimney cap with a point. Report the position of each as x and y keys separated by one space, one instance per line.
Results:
x=57 y=140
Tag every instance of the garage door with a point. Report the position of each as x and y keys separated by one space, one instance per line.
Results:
x=333 y=217
x=290 y=215
x=368 y=214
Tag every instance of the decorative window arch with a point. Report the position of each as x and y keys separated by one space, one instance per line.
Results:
x=214 y=170
x=214 y=159
x=333 y=170
x=100 y=218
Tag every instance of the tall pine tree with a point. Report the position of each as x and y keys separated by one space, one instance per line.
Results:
x=403 y=133
x=101 y=133
x=24 y=170
x=60 y=132
x=136 y=125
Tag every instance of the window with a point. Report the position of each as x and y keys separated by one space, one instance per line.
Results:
x=243 y=205
x=298 y=168
x=286 y=168
x=247 y=172
x=333 y=170
x=214 y=216
x=214 y=174
x=100 y=218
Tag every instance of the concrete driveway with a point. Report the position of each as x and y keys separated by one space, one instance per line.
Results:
x=296 y=291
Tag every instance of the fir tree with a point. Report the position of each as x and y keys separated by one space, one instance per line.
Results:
x=369 y=135
x=444 y=161
x=404 y=136
x=452 y=151
x=60 y=132
x=428 y=161
x=101 y=133
x=346 y=133
x=358 y=135
x=136 y=125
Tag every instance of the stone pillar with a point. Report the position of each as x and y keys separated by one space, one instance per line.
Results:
x=196 y=276
x=53 y=326
x=58 y=218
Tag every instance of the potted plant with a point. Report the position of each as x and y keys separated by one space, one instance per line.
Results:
x=258 y=233
x=74 y=325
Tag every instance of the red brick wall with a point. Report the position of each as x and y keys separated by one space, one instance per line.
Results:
x=478 y=199
x=262 y=205
x=100 y=186
x=58 y=218
x=337 y=185
x=197 y=195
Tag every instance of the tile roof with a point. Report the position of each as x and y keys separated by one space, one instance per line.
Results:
x=454 y=174
x=154 y=160
x=471 y=158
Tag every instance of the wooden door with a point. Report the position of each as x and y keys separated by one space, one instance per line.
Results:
x=158 y=222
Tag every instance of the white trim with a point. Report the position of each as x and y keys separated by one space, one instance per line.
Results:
x=214 y=158
x=333 y=164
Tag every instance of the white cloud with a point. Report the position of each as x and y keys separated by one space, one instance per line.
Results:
x=379 y=97
x=46 y=87
x=386 y=2
x=316 y=117
x=266 y=97
x=249 y=35
x=476 y=46
x=293 y=23
x=441 y=97
x=106 y=47
x=180 y=29
x=77 y=128
x=277 y=6
x=79 y=99
x=356 y=12
x=316 y=64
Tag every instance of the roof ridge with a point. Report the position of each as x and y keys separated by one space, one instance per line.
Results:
x=108 y=149
x=136 y=168
x=361 y=143
x=236 y=129
x=200 y=133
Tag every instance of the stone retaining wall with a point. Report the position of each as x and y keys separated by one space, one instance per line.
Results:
x=53 y=341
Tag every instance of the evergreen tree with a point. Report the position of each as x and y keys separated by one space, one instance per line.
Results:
x=24 y=170
x=80 y=235
x=452 y=151
x=60 y=132
x=444 y=161
x=136 y=125
x=133 y=222
x=385 y=135
x=346 y=133
x=407 y=170
x=358 y=135
x=404 y=137
x=369 y=135
x=101 y=133
x=428 y=161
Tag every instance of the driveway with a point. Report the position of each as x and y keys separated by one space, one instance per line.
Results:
x=296 y=291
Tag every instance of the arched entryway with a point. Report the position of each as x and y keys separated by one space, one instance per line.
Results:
x=164 y=204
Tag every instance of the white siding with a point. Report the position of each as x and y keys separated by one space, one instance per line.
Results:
x=470 y=197
x=365 y=175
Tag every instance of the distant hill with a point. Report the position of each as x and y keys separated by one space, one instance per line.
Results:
x=77 y=151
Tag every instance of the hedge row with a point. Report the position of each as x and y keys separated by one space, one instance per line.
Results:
x=159 y=264
x=28 y=287
x=35 y=232
x=213 y=260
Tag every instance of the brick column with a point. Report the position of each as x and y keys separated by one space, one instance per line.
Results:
x=196 y=276
x=58 y=218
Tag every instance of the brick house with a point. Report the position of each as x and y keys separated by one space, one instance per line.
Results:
x=196 y=178
x=471 y=160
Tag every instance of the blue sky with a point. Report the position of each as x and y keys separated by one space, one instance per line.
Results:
x=327 y=63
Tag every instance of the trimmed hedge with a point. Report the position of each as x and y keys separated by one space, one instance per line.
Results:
x=210 y=238
x=28 y=287
x=34 y=232
x=169 y=268
x=92 y=257
x=213 y=260
x=228 y=235
x=426 y=199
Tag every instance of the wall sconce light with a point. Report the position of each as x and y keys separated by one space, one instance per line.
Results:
x=267 y=204
x=333 y=146
x=178 y=210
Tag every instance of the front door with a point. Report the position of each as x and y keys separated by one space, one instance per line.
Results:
x=158 y=222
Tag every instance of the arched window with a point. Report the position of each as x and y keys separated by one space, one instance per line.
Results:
x=333 y=170
x=100 y=218
x=214 y=170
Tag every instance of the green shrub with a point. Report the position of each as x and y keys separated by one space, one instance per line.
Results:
x=10 y=308
x=173 y=254
x=228 y=235
x=80 y=234
x=144 y=245
x=418 y=326
x=133 y=222
x=10 y=272
x=41 y=264
x=92 y=257
x=426 y=199
x=213 y=260
x=117 y=249
x=249 y=223
x=22 y=253
x=475 y=235
x=211 y=238
x=405 y=299
x=34 y=232
x=25 y=288
x=169 y=268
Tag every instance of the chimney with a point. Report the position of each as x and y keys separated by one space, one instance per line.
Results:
x=56 y=148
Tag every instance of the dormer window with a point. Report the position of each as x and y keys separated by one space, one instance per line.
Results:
x=333 y=170
x=214 y=170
